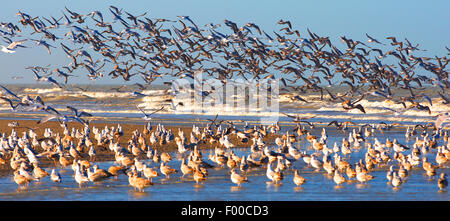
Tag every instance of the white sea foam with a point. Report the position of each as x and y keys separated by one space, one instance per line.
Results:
x=42 y=90
x=97 y=94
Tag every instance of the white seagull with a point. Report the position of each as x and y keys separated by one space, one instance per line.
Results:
x=147 y=116
x=11 y=48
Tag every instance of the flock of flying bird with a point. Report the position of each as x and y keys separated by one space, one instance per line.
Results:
x=135 y=45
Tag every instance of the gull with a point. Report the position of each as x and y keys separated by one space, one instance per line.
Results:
x=442 y=182
x=13 y=107
x=20 y=179
x=138 y=182
x=390 y=173
x=316 y=163
x=115 y=170
x=55 y=176
x=243 y=165
x=61 y=119
x=45 y=78
x=84 y=53
x=297 y=118
x=282 y=22
x=185 y=169
x=199 y=175
x=376 y=94
x=399 y=147
x=189 y=19
x=11 y=48
x=174 y=106
x=116 y=15
x=149 y=173
x=402 y=172
x=341 y=126
x=147 y=116
x=80 y=177
x=13 y=124
x=420 y=107
x=396 y=180
x=298 y=180
x=39 y=105
x=167 y=170
x=362 y=176
x=338 y=178
x=396 y=113
x=238 y=178
x=92 y=152
x=62 y=74
x=274 y=176
x=138 y=94
x=296 y=97
x=43 y=43
x=95 y=176
x=348 y=105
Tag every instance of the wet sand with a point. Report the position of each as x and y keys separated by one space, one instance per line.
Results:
x=102 y=152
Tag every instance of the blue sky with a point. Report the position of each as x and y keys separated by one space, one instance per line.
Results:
x=422 y=22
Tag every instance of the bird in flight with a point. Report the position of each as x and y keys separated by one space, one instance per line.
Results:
x=148 y=116
x=11 y=48
x=348 y=105
x=46 y=79
x=79 y=113
x=370 y=39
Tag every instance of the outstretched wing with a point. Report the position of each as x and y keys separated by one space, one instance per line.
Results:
x=160 y=109
x=47 y=118
x=14 y=45
x=84 y=113
x=9 y=101
x=145 y=114
x=74 y=110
